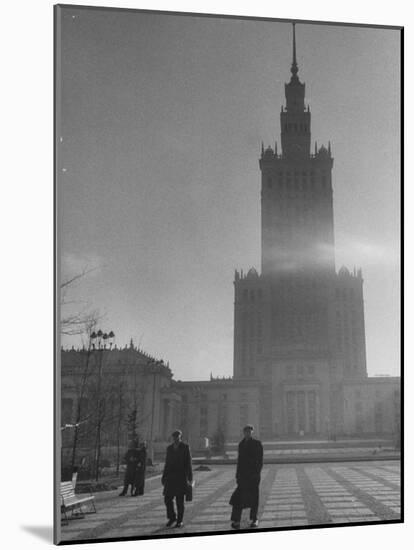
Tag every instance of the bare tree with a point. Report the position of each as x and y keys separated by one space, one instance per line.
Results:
x=120 y=396
x=81 y=377
x=77 y=322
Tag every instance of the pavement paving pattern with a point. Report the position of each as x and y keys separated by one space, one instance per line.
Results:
x=291 y=495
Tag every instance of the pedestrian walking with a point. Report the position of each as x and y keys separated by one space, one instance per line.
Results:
x=139 y=481
x=249 y=466
x=131 y=459
x=176 y=478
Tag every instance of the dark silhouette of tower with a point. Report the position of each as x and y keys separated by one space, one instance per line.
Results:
x=298 y=326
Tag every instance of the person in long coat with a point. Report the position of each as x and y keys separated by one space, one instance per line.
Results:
x=131 y=459
x=176 y=478
x=249 y=466
x=139 y=481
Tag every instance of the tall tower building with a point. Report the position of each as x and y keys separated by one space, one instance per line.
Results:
x=298 y=325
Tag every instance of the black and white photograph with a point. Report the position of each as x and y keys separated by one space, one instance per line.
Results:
x=228 y=213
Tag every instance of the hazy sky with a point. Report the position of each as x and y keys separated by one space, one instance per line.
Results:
x=162 y=118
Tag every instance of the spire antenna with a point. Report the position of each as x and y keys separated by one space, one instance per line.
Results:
x=294 y=44
x=294 y=68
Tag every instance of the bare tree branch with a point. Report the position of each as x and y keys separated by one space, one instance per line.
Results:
x=79 y=322
x=84 y=272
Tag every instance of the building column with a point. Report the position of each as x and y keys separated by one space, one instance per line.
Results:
x=317 y=413
x=166 y=418
x=295 y=413
x=307 y=427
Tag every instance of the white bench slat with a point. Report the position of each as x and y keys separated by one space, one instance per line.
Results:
x=68 y=496
x=75 y=500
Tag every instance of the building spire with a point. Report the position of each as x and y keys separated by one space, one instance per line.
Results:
x=294 y=67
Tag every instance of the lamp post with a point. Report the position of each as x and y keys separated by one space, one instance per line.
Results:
x=155 y=369
x=100 y=340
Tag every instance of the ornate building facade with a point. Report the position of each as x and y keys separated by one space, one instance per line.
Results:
x=115 y=391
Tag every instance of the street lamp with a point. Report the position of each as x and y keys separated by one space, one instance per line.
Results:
x=99 y=341
x=154 y=368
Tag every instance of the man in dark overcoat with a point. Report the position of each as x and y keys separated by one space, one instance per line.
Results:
x=176 y=478
x=131 y=459
x=249 y=466
x=139 y=482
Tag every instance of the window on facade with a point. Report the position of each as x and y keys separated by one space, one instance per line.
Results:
x=252 y=295
x=184 y=408
x=223 y=416
x=301 y=410
x=312 y=411
x=244 y=325
x=244 y=414
x=290 y=403
x=203 y=421
x=67 y=405
x=378 y=417
x=83 y=406
x=311 y=370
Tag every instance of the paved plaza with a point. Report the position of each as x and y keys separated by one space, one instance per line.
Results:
x=291 y=495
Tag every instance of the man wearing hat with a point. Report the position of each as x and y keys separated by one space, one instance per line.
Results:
x=249 y=466
x=176 y=478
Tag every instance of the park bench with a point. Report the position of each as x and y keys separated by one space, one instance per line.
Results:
x=70 y=501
